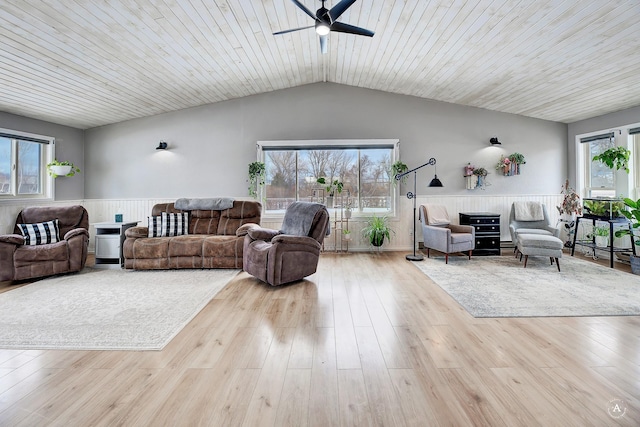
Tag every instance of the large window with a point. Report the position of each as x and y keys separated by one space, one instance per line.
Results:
x=23 y=160
x=363 y=167
x=600 y=181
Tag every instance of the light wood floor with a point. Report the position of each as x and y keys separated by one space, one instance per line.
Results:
x=366 y=341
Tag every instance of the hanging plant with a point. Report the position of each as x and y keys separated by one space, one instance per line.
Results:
x=257 y=175
x=57 y=168
x=398 y=168
x=616 y=157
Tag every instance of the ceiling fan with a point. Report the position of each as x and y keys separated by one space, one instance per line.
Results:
x=326 y=22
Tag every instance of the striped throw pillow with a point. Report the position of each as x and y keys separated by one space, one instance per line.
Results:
x=175 y=224
x=155 y=226
x=41 y=233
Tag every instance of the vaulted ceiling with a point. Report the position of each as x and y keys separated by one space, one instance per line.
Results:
x=87 y=63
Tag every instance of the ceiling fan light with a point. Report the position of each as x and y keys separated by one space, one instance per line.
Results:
x=322 y=29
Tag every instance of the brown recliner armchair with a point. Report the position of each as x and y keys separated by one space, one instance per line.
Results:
x=283 y=256
x=19 y=261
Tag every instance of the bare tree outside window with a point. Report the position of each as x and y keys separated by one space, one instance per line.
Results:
x=23 y=160
x=5 y=166
x=602 y=179
x=293 y=174
x=29 y=167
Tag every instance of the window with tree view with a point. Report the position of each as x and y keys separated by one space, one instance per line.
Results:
x=292 y=174
x=22 y=166
x=600 y=179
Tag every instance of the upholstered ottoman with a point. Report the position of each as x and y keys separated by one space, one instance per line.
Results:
x=540 y=245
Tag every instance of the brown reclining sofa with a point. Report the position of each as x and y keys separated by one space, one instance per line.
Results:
x=214 y=240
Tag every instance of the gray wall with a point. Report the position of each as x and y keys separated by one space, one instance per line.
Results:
x=211 y=146
x=630 y=116
x=69 y=146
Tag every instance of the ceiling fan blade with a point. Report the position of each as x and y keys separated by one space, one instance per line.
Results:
x=341 y=27
x=293 y=29
x=304 y=8
x=339 y=9
x=323 y=44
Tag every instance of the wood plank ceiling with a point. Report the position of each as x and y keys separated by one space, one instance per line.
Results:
x=88 y=63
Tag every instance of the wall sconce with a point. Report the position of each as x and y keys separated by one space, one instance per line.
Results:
x=494 y=141
x=162 y=146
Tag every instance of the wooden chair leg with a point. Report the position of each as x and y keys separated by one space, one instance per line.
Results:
x=525 y=260
x=551 y=259
x=558 y=264
x=446 y=258
x=427 y=252
x=469 y=254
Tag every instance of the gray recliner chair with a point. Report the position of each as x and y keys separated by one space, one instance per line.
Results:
x=441 y=235
x=530 y=218
x=292 y=253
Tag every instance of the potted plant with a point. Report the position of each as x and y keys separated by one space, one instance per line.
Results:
x=481 y=173
x=571 y=202
x=516 y=160
x=601 y=235
x=397 y=168
x=376 y=229
x=616 y=157
x=347 y=209
x=346 y=234
x=257 y=175
x=57 y=168
x=331 y=187
x=633 y=215
x=568 y=210
x=504 y=165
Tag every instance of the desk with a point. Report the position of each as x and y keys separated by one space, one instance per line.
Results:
x=592 y=243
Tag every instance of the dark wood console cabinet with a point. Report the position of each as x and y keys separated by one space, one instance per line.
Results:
x=487 y=227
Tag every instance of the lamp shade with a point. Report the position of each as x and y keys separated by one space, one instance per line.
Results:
x=494 y=141
x=162 y=146
x=435 y=182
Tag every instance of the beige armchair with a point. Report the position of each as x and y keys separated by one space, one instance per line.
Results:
x=441 y=235
x=19 y=261
x=292 y=253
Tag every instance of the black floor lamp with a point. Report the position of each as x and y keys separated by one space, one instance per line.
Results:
x=435 y=182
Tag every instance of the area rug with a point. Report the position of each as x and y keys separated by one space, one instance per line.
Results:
x=499 y=286
x=106 y=309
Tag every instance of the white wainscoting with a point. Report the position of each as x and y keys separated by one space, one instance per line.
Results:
x=139 y=209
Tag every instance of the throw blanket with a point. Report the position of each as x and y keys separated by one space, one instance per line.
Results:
x=214 y=204
x=528 y=211
x=436 y=215
x=299 y=218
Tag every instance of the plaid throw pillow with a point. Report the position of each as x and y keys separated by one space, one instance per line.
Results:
x=41 y=233
x=155 y=226
x=175 y=224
